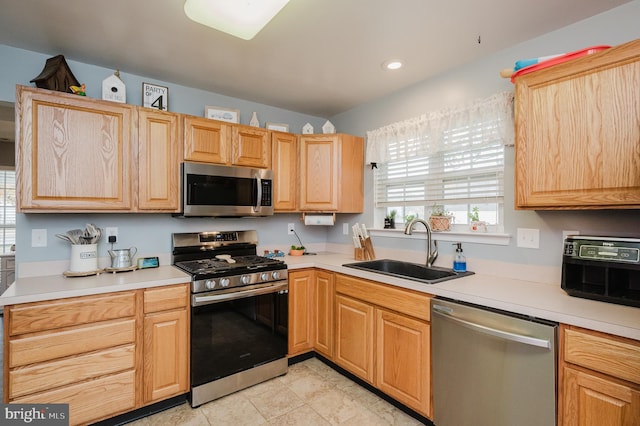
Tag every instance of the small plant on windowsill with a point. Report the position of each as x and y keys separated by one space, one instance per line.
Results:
x=475 y=224
x=390 y=220
x=440 y=219
x=296 y=250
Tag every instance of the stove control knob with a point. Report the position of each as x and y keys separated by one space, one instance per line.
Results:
x=275 y=275
x=210 y=284
x=245 y=279
x=264 y=276
x=224 y=282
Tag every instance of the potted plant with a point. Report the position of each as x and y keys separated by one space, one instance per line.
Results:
x=440 y=220
x=296 y=250
x=390 y=220
x=475 y=224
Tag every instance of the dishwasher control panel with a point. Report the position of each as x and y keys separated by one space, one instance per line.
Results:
x=602 y=268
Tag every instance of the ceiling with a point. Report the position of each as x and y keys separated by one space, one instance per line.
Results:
x=318 y=57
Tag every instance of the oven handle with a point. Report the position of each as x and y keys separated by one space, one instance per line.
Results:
x=259 y=197
x=207 y=300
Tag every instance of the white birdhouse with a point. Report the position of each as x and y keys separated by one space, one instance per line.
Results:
x=113 y=89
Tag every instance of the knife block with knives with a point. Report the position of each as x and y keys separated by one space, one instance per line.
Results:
x=363 y=247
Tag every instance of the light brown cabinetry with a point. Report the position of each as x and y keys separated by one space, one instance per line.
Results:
x=159 y=154
x=301 y=312
x=217 y=142
x=323 y=318
x=599 y=379
x=578 y=131
x=331 y=173
x=80 y=351
x=74 y=153
x=284 y=161
x=383 y=336
x=103 y=355
x=166 y=342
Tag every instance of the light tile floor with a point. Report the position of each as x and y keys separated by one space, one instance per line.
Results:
x=310 y=394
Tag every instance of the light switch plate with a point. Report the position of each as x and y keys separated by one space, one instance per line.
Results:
x=38 y=238
x=528 y=238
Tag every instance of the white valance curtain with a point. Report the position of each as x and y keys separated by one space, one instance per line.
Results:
x=430 y=133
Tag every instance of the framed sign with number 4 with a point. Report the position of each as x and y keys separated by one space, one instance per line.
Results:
x=154 y=96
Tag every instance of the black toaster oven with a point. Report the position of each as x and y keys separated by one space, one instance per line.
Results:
x=602 y=268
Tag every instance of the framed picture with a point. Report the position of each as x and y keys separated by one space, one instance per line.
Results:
x=277 y=126
x=223 y=114
x=154 y=96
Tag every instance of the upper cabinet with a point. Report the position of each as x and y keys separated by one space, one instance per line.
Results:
x=331 y=173
x=212 y=141
x=159 y=154
x=284 y=160
x=578 y=133
x=74 y=153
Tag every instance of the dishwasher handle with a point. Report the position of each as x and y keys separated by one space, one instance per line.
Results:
x=444 y=312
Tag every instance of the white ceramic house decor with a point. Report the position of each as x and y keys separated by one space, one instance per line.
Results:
x=307 y=129
x=328 y=128
x=254 y=120
x=113 y=88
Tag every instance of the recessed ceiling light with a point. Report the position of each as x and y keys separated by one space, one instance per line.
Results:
x=392 y=64
x=240 y=18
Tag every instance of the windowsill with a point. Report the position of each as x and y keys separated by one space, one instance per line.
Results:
x=455 y=236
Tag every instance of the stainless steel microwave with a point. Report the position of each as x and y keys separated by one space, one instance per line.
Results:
x=225 y=191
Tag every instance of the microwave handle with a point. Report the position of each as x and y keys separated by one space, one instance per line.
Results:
x=256 y=208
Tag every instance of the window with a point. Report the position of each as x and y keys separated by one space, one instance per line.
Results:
x=452 y=159
x=7 y=210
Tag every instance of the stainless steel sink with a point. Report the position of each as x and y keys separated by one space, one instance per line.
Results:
x=408 y=270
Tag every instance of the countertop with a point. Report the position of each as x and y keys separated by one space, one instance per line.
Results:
x=541 y=300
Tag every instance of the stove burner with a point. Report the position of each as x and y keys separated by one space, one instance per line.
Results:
x=210 y=266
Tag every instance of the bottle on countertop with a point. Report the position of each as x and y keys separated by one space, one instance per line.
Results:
x=459 y=261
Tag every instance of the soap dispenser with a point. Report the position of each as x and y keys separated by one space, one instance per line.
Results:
x=459 y=261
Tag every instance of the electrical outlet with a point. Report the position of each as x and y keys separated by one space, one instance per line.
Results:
x=111 y=232
x=528 y=238
x=38 y=238
x=345 y=228
x=290 y=228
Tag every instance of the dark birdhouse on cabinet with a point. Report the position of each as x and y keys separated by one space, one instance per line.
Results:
x=56 y=75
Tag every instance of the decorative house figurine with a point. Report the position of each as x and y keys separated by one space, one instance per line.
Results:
x=113 y=88
x=328 y=128
x=307 y=129
x=254 y=120
x=56 y=75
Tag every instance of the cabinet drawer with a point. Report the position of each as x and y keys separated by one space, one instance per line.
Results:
x=616 y=357
x=93 y=400
x=40 y=377
x=409 y=302
x=48 y=315
x=45 y=347
x=166 y=298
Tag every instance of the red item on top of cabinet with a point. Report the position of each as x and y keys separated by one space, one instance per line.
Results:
x=558 y=60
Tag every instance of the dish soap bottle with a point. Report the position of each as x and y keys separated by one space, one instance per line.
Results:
x=459 y=261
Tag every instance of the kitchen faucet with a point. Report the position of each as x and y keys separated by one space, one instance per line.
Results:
x=431 y=257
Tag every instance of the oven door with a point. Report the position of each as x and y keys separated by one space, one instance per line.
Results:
x=237 y=330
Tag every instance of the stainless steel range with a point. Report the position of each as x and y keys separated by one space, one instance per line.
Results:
x=239 y=304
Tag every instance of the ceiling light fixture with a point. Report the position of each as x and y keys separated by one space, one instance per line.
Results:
x=392 y=64
x=240 y=18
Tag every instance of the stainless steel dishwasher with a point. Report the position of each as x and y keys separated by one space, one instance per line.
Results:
x=491 y=368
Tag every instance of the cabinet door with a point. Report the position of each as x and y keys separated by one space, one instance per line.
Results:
x=319 y=172
x=206 y=140
x=300 y=311
x=159 y=156
x=74 y=153
x=577 y=133
x=166 y=355
x=285 y=171
x=324 y=313
x=403 y=359
x=250 y=147
x=354 y=337
x=590 y=400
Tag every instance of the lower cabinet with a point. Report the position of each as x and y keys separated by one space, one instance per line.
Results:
x=102 y=354
x=599 y=379
x=324 y=289
x=382 y=335
x=301 y=312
